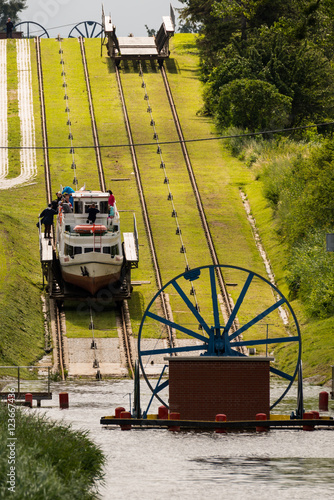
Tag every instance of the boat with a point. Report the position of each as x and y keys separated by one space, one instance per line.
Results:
x=91 y=254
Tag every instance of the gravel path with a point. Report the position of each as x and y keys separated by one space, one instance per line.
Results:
x=26 y=115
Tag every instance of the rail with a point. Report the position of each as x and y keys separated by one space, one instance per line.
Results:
x=143 y=205
x=197 y=195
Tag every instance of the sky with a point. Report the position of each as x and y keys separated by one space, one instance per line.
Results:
x=129 y=16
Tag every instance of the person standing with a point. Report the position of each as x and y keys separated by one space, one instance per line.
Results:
x=9 y=28
x=47 y=219
x=91 y=214
x=111 y=199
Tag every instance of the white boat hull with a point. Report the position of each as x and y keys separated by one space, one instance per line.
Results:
x=91 y=275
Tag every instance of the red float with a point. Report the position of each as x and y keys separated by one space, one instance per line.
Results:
x=118 y=411
x=220 y=417
x=174 y=416
x=63 y=400
x=261 y=416
x=323 y=401
x=308 y=415
x=28 y=399
x=125 y=414
x=163 y=412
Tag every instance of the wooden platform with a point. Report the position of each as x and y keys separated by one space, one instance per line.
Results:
x=210 y=425
x=46 y=249
x=20 y=396
x=132 y=47
x=130 y=249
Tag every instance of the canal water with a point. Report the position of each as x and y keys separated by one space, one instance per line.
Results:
x=158 y=465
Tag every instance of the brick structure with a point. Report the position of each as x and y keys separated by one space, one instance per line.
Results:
x=201 y=387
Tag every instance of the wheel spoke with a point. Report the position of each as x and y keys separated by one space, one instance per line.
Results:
x=257 y=319
x=281 y=374
x=170 y=350
x=177 y=327
x=279 y=340
x=239 y=302
x=214 y=297
x=192 y=308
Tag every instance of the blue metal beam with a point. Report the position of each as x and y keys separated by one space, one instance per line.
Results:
x=281 y=374
x=265 y=341
x=191 y=307
x=239 y=302
x=170 y=350
x=177 y=327
x=257 y=318
x=214 y=298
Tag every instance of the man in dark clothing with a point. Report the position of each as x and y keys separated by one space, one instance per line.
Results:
x=47 y=219
x=9 y=28
x=92 y=211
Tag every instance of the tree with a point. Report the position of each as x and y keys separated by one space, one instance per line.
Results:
x=150 y=31
x=252 y=104
x=10 y=8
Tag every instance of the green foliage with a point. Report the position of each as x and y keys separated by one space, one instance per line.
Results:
x=310 y=275
x=301 y=191
x=10 y=8
x=285 y=44
x=52 y=461
x=252 y=104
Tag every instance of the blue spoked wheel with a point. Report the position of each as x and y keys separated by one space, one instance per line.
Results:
x=31 y=29
x=215 y=332
x=86 y=29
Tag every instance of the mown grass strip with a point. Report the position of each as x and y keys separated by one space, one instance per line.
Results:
x=14 y=128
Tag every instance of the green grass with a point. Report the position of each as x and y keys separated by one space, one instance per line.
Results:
x=58 y=463
x=14 y=134
x=78 y=319
x=21 y=321
x=218 y=175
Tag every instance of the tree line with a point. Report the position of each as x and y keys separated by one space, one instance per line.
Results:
x=265 y=63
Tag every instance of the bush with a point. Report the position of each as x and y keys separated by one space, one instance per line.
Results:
x=52 y=461
x=252 y=104
x=310 y=275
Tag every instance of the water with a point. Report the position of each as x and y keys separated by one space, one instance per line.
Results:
x=157 y=464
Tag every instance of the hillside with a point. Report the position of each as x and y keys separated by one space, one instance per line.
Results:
x=219 y=176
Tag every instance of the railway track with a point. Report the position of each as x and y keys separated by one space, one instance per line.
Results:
x=124 y=310
x=213 y=253
x=59 y=337
x=170 y=334
x=227 y=305
x=58 y=305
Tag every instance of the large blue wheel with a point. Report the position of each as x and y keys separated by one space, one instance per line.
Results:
x=86 y=29
x=31 y=29
x=214 y=334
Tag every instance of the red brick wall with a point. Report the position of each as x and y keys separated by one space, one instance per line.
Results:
x=199 y=389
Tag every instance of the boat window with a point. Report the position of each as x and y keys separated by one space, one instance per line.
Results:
x=97 y=250
x=106 y=250
x=87 y=250
x=68 y=250
x=77 y=250
x=103 y=207
x=114 y=250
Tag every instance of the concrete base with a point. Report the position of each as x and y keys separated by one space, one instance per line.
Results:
x=201 y=387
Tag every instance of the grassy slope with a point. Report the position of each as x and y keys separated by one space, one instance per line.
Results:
x=318 y=341
x=21 y=322
x=218 y=175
